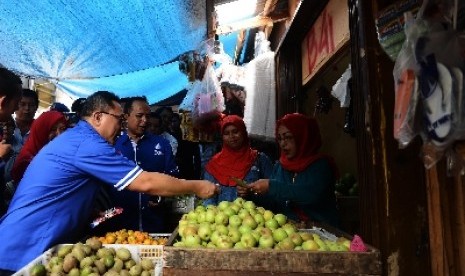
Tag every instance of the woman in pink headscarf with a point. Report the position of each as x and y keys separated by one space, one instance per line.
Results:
x=302 y=183
x=46 y=127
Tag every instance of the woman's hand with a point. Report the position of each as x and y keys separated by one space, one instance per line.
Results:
x=242 y=191
x=260 y=186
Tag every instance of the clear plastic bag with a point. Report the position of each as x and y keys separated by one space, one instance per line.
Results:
x=208 y=101
x=406 y=89
x=429 y=78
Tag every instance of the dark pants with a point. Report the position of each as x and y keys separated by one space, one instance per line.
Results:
x=6 y=272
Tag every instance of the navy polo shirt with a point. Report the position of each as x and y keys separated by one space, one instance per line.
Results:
x=152 y=153
x=54 y=200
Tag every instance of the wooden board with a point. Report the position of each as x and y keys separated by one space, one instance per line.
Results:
x=206 y=261
x=270 y=261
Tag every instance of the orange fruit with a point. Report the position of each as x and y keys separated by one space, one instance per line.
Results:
x=110 y=239
x=132 y=240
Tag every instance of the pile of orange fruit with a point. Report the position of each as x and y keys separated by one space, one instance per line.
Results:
x=131 y=237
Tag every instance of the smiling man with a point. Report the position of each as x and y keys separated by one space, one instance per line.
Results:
x=54 y=200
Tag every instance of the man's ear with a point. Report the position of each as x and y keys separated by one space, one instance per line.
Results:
x=96 y=118
x=3 y=102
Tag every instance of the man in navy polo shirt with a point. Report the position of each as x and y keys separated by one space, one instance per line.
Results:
x=54 y=199
x=152 y=153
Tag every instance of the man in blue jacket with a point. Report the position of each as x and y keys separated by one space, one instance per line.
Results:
x=152 y=153
x=53 y=202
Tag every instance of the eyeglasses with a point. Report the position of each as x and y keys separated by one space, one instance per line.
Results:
x=120 y=118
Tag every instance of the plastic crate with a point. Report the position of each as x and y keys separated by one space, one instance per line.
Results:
x=138 y=252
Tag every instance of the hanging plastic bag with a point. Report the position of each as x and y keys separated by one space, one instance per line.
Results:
x=208 y=102
x=187 y=103
x=429 y=83
x=406 y=88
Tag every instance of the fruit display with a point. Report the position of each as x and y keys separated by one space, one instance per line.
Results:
x=131 y=237
x=92 y=259
x=241 y=225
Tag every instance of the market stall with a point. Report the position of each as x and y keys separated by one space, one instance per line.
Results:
x=234 y=238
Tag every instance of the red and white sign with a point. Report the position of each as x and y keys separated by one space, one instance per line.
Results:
x=327 y=35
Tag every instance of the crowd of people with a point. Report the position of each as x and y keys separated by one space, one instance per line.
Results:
x=54 y=200
x=64 y=168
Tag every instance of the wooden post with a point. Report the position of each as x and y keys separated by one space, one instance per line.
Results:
x=459 y=224
x=436 y=234
x=211 y=19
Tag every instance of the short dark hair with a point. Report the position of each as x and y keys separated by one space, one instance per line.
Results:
x=99 y=101
x=9 y=83
x=163 y=108
x=129 y=102
x=28 y=93
x=155 y=114
x=177 y=115
x=77 y=105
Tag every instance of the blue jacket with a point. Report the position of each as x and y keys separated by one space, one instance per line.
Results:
x=53 y=201
x=152 y=153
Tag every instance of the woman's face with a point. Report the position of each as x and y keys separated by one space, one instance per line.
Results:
x=56 y=130
x=286 y=142
x=233 y=137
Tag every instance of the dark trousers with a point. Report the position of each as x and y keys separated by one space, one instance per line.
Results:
x=6 y=272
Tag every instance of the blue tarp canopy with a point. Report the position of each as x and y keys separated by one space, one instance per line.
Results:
x=129 y=47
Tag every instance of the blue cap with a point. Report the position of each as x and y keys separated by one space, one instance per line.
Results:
x=59 y=107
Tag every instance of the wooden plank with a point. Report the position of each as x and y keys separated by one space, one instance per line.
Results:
x=239 y=45
x=460 y=223
x=459 y=214
x=257 y=21
x=457 y=225
x=269 y=7
x=203 y=272
x=211 y=19
x=273 y=261
x=438 y=256
x=445 y=208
